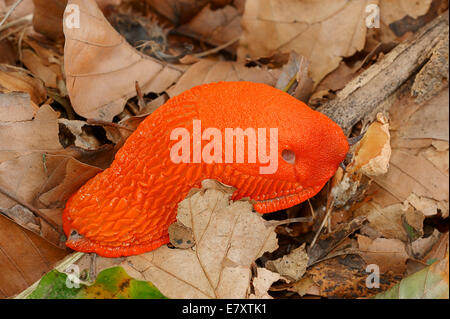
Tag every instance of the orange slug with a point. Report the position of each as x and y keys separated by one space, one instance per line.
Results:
x=127 y=209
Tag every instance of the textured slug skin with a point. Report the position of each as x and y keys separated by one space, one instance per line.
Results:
x=127 y=209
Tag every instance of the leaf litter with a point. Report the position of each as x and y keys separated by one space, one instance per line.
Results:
x=394 y=182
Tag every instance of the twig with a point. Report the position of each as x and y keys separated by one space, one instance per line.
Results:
x=10 y=11
x=216 y=49
x=26 y=18
x=349 y=251
x=34 y=210
x=369 y=92
x=140 y=97
x=329 y=209
x=105 y=123
x=276 y=223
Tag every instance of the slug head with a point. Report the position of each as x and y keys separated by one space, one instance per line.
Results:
x=310 y=146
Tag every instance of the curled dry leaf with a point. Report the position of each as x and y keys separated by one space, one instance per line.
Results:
x=31 y=174
x=102 y=68
x=229 y=237
x=373 y=151
x=371 y=158
x=206 y=71
x=322 y=31
x=15 y=80
x=83 y=139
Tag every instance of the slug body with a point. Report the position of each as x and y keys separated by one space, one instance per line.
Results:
x=127 y=209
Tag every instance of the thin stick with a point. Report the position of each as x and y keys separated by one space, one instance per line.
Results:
x=10 y=11
x=140 y=97
x=105 y=123
x=276 y=223
x=329 y=209
x=216 y=49
x=34 y=210
x=349 y=251
x=26 y=18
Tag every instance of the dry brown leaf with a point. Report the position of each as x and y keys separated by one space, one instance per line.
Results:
x=422 y=246
x=41 y=133
x=322 y=31
x=344 y=277
x=102 y=68
x=337 y=79
x=83 y=139
x=32 y=175
x=262 y=282
x=9 y=54
x=44 y=182
x=387 y=254
x=390 y=221
x=215 y=26
x=292 y=266
x=178 y=11
x=24 y=258
x=418 y=172
x=394 y=10
x=413 y=174
x=41 y=71
x=14 y=80
x=47 y=17
x=16 y=107
x=207 y=71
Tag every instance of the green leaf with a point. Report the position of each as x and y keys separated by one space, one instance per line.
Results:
x=428 y=283
x=111 y=283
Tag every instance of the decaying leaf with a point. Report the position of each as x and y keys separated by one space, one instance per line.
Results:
x=102 y=68
x=292 y=266
x=344 y=277
x=322 y=31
